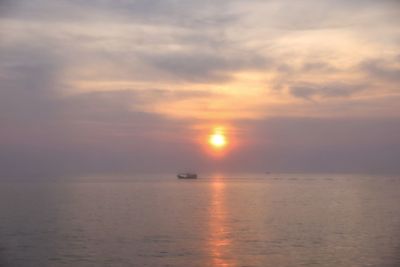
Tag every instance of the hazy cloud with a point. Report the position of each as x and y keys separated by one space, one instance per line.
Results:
x=309 y=91
x=383 y=69
x=199 y=66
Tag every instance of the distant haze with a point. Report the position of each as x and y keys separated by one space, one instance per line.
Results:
x=136 y=86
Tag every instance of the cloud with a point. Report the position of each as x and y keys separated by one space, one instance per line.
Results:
x=122 y=105
x=331 y=90
x=198 y=66
x=318 y=66
x=382 y=69
x=181 y=13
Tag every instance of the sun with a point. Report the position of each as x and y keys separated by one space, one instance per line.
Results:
x=217 y=140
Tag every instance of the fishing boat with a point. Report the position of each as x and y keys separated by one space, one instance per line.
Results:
x=187 y=175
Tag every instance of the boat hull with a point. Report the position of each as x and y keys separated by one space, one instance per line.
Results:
x=187 y=176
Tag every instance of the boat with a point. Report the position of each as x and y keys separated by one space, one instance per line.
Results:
x=187 y=175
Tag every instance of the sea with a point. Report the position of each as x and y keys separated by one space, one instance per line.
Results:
x=247 y=220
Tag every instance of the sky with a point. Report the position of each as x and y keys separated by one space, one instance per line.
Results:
x=138 y=86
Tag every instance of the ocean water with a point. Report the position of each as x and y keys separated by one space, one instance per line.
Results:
x=217 y=220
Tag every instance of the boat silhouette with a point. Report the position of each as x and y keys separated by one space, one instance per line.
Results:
x=187 y=175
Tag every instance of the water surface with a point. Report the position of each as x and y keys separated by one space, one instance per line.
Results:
x=218 y=220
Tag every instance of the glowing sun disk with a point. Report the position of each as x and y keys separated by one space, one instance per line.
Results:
x=217 y=140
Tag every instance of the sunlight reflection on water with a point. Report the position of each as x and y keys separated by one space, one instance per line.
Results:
x=219 y=229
